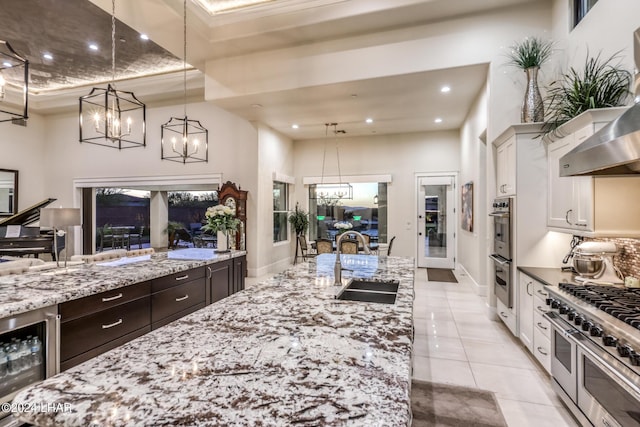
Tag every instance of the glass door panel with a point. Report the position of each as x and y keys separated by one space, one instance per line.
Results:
x=436 y=222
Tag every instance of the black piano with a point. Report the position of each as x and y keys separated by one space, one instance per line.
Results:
x=31 y=240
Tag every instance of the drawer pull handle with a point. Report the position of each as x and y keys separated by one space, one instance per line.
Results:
x=503 y=315
x=186 y=276
x=541 y=326
x=182 y=298
x=540 y=349
x=544 y=294
x=113 y=298
x=111 y=325
x=541 y=310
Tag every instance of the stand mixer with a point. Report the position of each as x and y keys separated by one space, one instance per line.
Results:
x=593 y=261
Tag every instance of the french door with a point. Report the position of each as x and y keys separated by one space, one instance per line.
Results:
x=436 y=221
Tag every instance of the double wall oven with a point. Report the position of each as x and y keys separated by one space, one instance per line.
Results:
x=595 y=359
x=502 y=249
x=28 y=353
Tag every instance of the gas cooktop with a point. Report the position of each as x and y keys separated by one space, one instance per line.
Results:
x=621 y=303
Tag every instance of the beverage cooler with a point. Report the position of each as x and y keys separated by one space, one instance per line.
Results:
x=28 y=353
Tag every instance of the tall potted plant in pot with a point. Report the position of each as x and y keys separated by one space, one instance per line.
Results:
x=299 y=220
x=529 y=55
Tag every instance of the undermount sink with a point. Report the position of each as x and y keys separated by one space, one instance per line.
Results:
x=370 y=291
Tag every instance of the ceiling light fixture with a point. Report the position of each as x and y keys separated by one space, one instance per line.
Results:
x=110 y=117
x=183 y=140
x=295 y=126
x=445 y=89
x=369 y=120
x=47 y=56
x=144 y=37
x=333 y=192
x=438 y=120
x=14 y=73
x=93 y=46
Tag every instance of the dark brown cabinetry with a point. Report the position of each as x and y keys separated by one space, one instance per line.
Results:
x=177 y=295
x=97 y=323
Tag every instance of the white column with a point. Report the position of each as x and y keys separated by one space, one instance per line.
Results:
x=159 y=218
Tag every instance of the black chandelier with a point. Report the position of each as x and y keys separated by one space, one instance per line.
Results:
x=110 y=117
x=331 y=193
x=183 y=140
x=14 y=74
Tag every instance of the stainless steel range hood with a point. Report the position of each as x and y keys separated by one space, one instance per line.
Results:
x=614 y=149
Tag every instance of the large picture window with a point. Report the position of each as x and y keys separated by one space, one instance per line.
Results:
x=280 y=211
x=366 y=212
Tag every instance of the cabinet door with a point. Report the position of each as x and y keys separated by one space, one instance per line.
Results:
x=582 y=202
x=560 y=191
x=506 y=168
x=220 y=280
x=525 y=310
x=239 y=268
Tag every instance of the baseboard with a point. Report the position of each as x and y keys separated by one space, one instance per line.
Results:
x=272 y=268
x=477 y=288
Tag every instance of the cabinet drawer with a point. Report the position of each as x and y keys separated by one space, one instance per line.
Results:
x=540 y=306
x=540 y=291
x=175 y=279
x=102 y=301
x=507 y=316
x=542 y=324
x=542 y=349
x=82 y=334
x=176 y=299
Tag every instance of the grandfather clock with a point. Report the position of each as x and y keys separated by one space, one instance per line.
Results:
x=232 y=196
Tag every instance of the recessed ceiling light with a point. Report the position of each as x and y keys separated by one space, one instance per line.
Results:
x=445 y=89
x=294 y=126
x=7 y=64
x=93 y=46
x=47 y=56
x=438 y=120
x=369 y=120
x=144 y=37
x=256 y=105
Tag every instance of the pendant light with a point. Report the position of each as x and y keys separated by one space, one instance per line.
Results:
x=184 y=140
x=331 y=194
x=110 y=117
x=14 y=72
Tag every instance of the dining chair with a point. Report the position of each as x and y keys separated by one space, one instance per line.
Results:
x=304 y=249
x=324 y=246
x=349 y=246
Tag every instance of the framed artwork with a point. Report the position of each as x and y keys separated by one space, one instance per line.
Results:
x=467 y=206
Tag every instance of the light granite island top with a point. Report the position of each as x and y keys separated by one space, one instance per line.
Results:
x=282 y=352
x=20 y=293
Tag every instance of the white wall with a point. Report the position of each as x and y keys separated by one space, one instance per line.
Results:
x=401 y=155
x=275 y=154
x=472 y=246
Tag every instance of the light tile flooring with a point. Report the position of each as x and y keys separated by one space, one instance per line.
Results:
x=456 y=343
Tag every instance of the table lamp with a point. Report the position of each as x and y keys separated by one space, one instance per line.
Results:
x=59 y=219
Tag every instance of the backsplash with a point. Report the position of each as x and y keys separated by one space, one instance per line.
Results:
x=628 y=258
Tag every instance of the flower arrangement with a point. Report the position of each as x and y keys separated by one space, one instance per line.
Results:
x=342 y=226
x=220 y=218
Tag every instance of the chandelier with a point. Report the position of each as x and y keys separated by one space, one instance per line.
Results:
x=183 y=140
x=14 y=73
x=331 y=193
x=111 y=117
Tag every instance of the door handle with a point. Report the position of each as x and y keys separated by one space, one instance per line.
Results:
x=540 y=350
x=113 y=298
x=541 y=326
x=566 y=217
x=111 y=325
x=504 y=315
x=186 y=276
x=182 y=298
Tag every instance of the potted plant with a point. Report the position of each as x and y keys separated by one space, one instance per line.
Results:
x=601 y=84
x=529 y=55
x=299 y=220
x=171 y=230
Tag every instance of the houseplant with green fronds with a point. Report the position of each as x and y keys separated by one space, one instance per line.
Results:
x=529 y=55
x=299 y=220
x=600 y=84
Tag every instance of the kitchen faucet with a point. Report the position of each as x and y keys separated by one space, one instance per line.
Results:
x=337 y=268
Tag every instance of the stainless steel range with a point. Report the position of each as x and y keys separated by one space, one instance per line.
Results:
x=595 y=345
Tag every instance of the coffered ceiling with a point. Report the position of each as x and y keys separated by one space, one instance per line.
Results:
x=398 y=102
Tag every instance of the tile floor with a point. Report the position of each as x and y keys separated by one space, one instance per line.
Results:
x=456 y=343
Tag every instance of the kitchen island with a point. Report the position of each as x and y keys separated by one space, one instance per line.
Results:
x=284 y=352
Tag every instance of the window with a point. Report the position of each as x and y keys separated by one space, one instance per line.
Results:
x=366 y=212
x=186 y=216
x=280 y=212
x=122 y=219
x=580 y=9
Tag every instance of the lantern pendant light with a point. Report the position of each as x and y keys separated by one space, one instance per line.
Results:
x=14 y=73
x=332 y=193
x=110 y=117
x=184 y=140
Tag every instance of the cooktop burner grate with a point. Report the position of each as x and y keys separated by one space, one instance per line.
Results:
x=621 y=303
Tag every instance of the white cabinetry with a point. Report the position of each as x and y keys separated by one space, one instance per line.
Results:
x=508 y=317
x=534 y=328
x=587 y=205
x=506 y=167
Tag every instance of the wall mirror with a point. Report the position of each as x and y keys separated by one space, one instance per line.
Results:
x=8 y=192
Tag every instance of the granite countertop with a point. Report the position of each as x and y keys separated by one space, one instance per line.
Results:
x=20 y=293
x=549 y=276
x=282 y=352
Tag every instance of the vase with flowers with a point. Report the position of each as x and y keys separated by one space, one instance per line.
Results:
x=342 y=226
x=221 y=218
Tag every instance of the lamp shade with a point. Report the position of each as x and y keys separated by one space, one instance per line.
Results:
x=59 y=217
